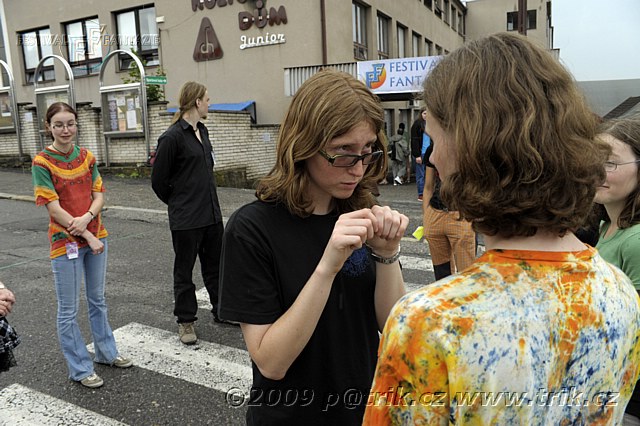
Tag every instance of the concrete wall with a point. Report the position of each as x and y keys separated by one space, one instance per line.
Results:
x=237 y=144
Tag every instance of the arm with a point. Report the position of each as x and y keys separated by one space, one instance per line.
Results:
x=274 y=347
x=7 y=299
x=429 y=187
x=389 y=280
x=162 y=167
x=63 y=218
x=78 y=225
x=410 y=385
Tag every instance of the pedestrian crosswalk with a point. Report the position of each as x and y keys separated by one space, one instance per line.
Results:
x=212 y=365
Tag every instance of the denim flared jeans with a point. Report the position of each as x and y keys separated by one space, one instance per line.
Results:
x=68 y=275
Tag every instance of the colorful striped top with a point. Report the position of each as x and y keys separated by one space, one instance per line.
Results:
x=71 y=179
x=518 y=338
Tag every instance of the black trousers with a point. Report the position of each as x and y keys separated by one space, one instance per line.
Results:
x=206 y=244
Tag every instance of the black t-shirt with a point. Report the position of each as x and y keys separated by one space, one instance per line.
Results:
x=268 y=256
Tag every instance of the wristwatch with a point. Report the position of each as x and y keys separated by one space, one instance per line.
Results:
x=384 y=260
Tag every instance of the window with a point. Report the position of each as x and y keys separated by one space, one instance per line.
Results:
x=36 y=44
x=429 y=44
x=460 y=23
x=438 y=50
x=138 y=32
x=402 y=33
x=428 y=4
x=415 y=45
x=83 y=46
x=445 y=9
x=359 y=32
x=531 y=19
x=512 y=20
x=383 y=37
x=454 y=15
x=436 y=8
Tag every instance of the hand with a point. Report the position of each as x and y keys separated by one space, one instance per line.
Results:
x=78 y=225
x=418 y=160
x=97 y=246
x=349 y=233
x=389 y=228
x=7 y=299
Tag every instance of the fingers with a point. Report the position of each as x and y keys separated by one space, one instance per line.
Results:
x=391 y=224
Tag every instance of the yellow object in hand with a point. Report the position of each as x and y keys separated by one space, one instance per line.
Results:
x=418 y=233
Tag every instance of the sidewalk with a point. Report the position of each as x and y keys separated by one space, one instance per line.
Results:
x=136 y=193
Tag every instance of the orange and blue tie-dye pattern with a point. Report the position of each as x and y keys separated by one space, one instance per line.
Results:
x=519 y=338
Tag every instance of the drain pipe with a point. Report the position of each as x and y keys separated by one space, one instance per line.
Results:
x=323 y=23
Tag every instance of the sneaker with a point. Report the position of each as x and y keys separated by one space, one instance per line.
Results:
x=122 y=362
x=187 y=333
x=397 y=181
x=224 y=321
x=93 y=381
x=419 y=197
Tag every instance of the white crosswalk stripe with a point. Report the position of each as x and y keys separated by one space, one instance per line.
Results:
x=208 y=364
x=21 y=406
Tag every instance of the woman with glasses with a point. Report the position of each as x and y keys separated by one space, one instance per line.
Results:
x=619 y=241
x=310 y=269
x=539 y=330
x=66 y=180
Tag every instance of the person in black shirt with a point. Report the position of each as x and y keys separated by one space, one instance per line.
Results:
x=183 y=178
x=310 y=269
x=417 y=136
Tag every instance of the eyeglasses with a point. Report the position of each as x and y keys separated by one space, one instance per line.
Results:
x=350 y=160
x=610 y=166
x=60 y=126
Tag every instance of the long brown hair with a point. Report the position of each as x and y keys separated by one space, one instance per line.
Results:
x=190 y=92
x=523 y=134
x=627 y=130
x=327 y=105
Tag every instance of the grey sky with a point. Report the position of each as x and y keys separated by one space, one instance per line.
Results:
x=598 y=39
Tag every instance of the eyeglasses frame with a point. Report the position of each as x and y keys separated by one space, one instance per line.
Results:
x=59 y=127
x=332 y=158
x=615 y=165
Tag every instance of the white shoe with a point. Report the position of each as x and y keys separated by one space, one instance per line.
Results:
x=397 y=181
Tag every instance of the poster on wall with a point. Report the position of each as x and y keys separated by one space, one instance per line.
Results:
x=123 y=113
x=6 y=115
x=402 y=75
x=46 y=99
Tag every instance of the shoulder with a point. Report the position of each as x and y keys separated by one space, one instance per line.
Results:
x=255 y=215
x=172 y=132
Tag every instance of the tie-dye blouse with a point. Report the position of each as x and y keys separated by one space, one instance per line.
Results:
x=518 y=338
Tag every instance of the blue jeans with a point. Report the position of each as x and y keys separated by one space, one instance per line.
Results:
x=419 y=177
x=68 y=275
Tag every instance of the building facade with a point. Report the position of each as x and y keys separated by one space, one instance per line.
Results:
x=240 y=49
x=491 y=16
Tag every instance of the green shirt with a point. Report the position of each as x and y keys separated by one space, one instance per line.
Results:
x=623 y=250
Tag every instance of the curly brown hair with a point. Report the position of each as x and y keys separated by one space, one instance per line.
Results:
x=524 y=137
x=327 y=105
x=627 y=130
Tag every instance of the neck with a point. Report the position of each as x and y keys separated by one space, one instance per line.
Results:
x=542 y=241
x=614 y=211
x=192 y=117
x=64 y=149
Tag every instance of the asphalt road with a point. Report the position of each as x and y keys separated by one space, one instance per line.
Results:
x=168 y=385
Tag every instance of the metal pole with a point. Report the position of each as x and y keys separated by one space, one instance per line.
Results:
x=14 y=108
